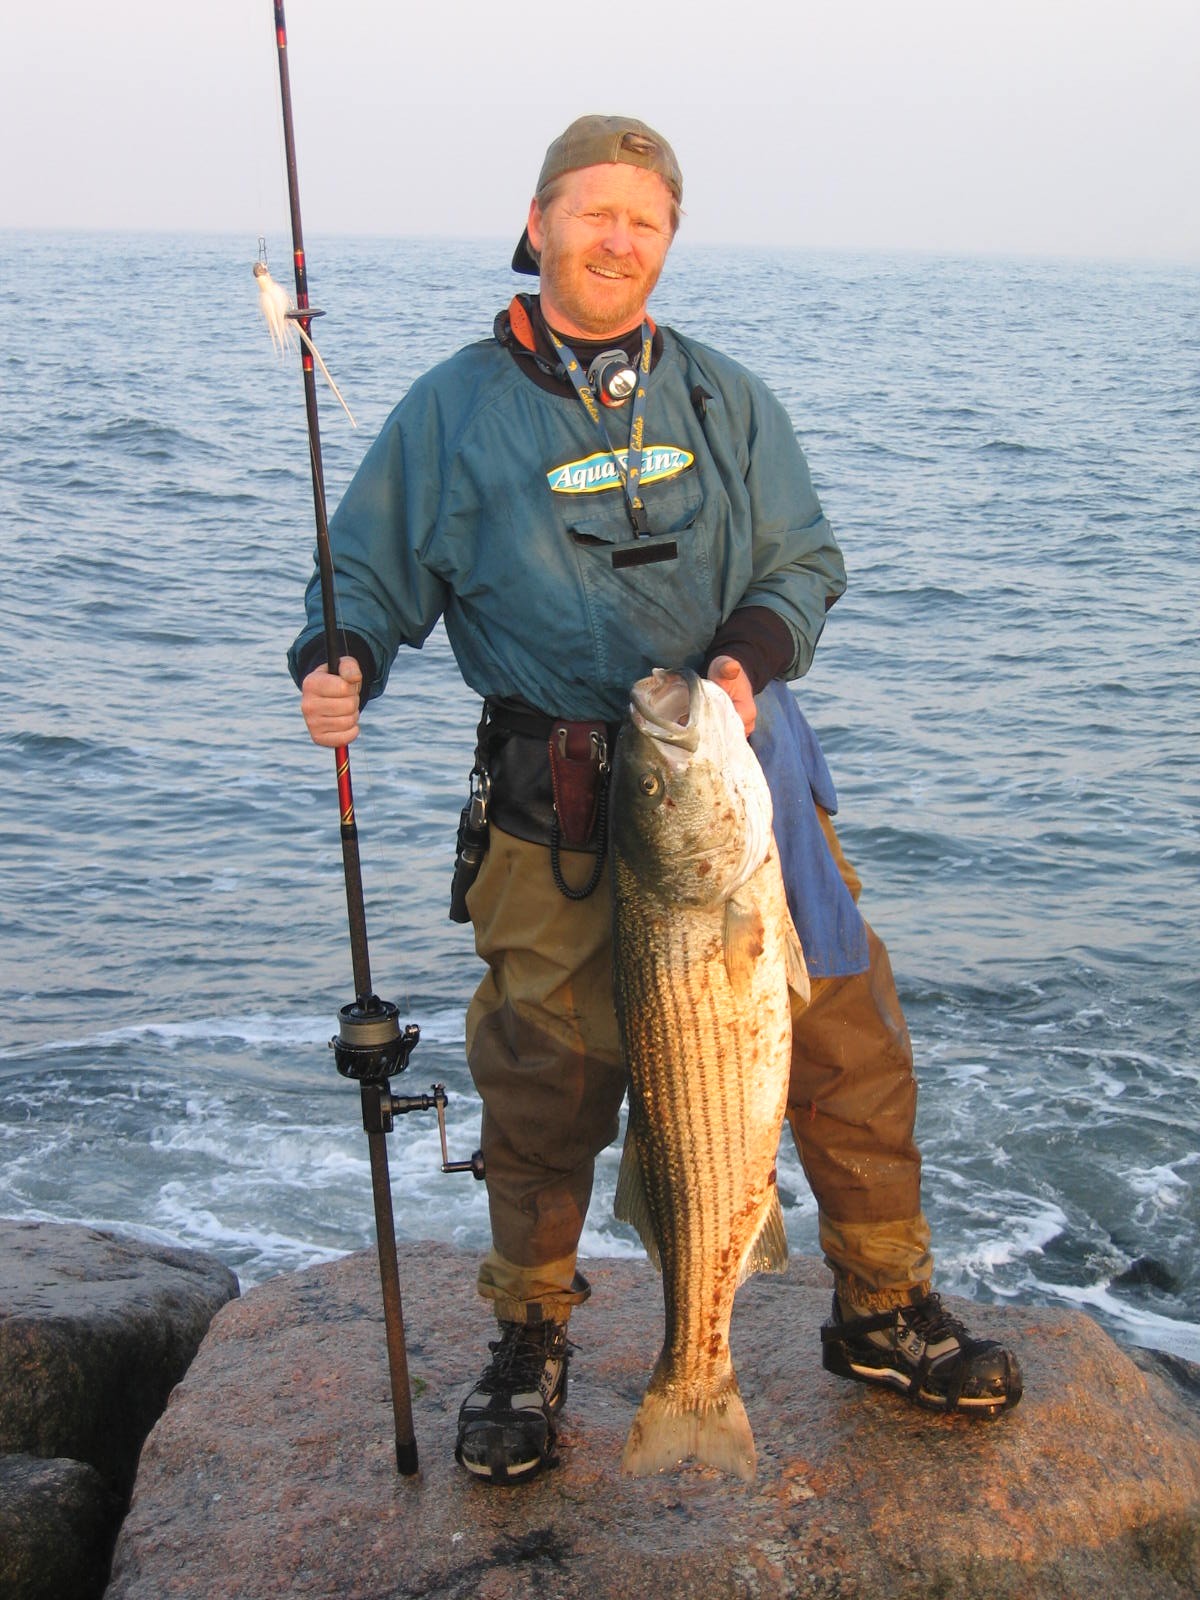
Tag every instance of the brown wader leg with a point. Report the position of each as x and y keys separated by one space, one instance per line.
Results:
x=852 y=1106
x=543 y=1051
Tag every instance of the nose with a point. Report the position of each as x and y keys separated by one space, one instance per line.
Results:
x=618 y=236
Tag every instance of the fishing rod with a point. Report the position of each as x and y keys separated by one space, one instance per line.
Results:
x=370 y=1045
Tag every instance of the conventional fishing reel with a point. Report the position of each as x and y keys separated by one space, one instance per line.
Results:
x=370 y=1046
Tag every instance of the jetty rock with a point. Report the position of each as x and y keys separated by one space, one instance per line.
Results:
x=58 y=1520
x=272 y=1471
x=95 y=1331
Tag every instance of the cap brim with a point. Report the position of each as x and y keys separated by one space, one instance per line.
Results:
x=524 y=259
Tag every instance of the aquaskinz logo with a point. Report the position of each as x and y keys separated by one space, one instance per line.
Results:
x=595 y=473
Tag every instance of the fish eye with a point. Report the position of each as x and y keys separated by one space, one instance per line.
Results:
x=649 y=783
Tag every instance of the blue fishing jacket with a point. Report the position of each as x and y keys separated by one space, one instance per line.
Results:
x=493 y=503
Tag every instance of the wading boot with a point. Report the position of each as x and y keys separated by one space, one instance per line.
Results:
x=925 y=1353
x=506 y=1428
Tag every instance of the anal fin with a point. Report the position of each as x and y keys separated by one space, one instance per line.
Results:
x=768 y=1250
x=631 y=1204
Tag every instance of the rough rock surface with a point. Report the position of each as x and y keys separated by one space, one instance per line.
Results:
x=94 y=1332
x=272 y=1470
x=57 y=1520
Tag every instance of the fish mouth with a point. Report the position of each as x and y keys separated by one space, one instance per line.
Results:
x=674 y=710
x=664 y=706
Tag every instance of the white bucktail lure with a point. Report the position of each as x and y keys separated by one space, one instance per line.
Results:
x=277 y=308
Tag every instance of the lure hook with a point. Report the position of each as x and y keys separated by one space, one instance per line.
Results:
x=284 y=321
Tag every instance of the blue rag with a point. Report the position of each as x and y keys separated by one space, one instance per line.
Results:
x=830 y=926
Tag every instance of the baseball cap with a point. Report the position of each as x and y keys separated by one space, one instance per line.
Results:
x=591 y=142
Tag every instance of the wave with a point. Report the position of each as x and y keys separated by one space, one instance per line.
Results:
x=257 y=1030
x=1136 y=1325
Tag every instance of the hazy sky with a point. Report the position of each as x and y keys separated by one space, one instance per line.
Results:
x=1020 y=126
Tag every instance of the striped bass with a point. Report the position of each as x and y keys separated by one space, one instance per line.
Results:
x=704 y=952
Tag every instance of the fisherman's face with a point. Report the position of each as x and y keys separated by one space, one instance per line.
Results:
x=602 y=239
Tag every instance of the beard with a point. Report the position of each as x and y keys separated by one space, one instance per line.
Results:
x=581 y=288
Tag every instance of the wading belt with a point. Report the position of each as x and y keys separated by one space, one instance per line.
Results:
x=549 y=783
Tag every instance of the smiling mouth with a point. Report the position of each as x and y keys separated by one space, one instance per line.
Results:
x=607 y=272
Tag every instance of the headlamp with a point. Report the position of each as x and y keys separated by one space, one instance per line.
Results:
x=611 y=378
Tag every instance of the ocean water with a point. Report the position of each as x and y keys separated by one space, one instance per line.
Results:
x=1008 y=696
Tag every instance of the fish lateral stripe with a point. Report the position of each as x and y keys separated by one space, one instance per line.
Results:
x=595 y=473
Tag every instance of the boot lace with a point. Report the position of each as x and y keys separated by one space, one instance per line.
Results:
x=934 y=1323
x=520 y=1354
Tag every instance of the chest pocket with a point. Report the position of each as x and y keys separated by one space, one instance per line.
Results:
x=650 y=600
x=671 y=509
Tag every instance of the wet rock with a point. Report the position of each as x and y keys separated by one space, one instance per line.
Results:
x=94 y=1332
x=1182 y=1374
x=57 y=1520
x=1145 y=1272
x=274 y=1461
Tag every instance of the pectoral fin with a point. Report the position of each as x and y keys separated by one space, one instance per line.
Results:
x=744 y=940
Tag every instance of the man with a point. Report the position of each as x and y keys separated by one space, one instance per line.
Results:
x=583 y=497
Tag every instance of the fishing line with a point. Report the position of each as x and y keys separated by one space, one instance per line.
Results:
x=262 y=133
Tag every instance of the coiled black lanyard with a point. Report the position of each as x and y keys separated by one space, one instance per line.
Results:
x=629 y=469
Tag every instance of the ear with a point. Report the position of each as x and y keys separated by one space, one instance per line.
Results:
x=535 y=226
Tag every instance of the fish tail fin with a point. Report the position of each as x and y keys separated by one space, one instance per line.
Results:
x=768 y=1250
x=667 y=1431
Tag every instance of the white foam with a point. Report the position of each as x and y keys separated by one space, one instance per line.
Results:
x=310 y=1156
x=1023 y=1236
x=255 y=1029
x=1111 y=1088
x=264 y=1250
x=1143 y=1327
x=599 y=1239
x=122 y=1229
x=1162 y=1184
x=966 y=1071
